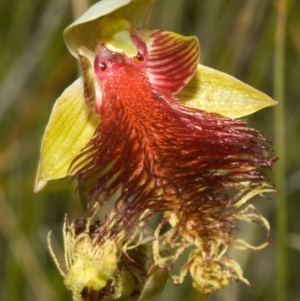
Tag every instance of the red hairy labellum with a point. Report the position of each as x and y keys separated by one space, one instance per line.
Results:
x=161 y=155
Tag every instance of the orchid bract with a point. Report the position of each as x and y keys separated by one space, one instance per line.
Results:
x=149 y=129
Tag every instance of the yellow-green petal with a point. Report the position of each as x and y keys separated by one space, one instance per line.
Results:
x=70 y=127
x=83 y=32
x=214 y=91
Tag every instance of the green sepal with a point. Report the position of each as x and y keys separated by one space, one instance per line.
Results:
x=70 y=127
x=214 y=91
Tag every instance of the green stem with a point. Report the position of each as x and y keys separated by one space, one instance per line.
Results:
x=202 y=297
x=79 y=7
x=279 y=145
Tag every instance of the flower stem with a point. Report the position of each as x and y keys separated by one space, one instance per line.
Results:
x=281 y=214
x=202 y=297
x=79 y=7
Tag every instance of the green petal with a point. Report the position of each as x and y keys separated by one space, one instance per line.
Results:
x=70 y=127
x=83 y=32
x=214 y=91
x=172 y=59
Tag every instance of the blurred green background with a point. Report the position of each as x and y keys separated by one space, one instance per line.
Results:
x=236 y=36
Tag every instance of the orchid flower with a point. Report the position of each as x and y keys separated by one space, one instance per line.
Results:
x=148 y=126
x=72 y=124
